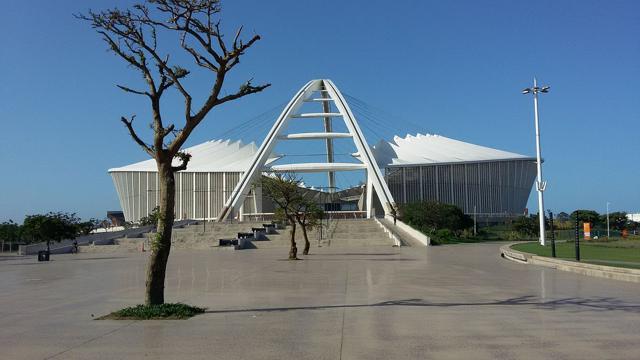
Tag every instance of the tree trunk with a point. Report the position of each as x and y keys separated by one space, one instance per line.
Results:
x=293 y=252
x=161 y=243
x=307 y=245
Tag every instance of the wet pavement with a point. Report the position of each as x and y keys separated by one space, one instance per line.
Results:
x=449 y=302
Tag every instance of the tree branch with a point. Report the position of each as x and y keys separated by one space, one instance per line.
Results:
x=134 y=135
x=245 y=90
x=132 y=35
x=126 y=89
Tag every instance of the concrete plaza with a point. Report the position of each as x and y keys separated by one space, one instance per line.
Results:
x=450 y=302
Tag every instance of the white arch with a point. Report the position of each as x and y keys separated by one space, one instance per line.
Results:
x=329 y=92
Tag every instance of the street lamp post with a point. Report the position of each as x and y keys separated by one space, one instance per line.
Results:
x=540 y=184
x=204 y=209
x=553 y=235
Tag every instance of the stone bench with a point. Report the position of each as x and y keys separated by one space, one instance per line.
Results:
x=259 y=233
x=228 y=242
x=245 y=235
x=270 y=228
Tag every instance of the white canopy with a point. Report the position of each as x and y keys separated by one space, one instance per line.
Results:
x=211 y=156
x=433 y=149
x=235 y=156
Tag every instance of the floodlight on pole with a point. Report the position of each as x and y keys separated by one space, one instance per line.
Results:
x=540 y=184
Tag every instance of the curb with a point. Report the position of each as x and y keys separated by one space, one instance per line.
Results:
x=602 y=271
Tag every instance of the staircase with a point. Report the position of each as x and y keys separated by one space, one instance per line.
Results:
x=338 y=233
x=357 y=233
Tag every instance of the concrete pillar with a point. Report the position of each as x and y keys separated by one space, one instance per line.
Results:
x=369 y=196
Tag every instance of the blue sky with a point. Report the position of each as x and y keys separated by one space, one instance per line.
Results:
x=454 y=68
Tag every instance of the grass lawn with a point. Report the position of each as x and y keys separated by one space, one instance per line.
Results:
x=622 y=253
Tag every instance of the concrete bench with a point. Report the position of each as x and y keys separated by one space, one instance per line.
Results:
x=259 y=233
x=270 y=228
x=245 y=235
x=244 y=243
x=228 y=242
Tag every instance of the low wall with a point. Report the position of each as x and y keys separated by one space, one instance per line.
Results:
x=608 y=272
x=65 y=246
x=394 y=237
x=101 y=238
x=417 y=235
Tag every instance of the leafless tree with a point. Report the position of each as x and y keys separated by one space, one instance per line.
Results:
x=133 y=35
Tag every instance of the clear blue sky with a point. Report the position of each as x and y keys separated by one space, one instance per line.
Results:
x=456 y=68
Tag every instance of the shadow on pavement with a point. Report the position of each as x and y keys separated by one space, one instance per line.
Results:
x=599 y=303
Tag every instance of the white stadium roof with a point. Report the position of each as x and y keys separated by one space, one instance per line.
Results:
x=211 y=156
x=435 y=149
x=235 y=156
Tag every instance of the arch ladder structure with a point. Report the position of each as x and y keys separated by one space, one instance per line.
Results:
x=325 y=92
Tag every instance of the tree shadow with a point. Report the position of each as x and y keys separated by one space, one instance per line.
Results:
x=595 y=303
x=361 y=259
x=357 y=254
x=13 y=257
x=99 y=258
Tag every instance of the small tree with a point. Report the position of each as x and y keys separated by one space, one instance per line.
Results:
x=308 y=215
x=50 y=227
x=9 y=232
x=584 y=216
x=85 y=227
x=617 y=220
x=133 y=35
x=285 y=192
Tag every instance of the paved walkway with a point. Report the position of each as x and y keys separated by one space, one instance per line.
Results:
x=449 y=302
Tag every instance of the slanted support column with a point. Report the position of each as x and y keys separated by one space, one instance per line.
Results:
x=367 y=161
x=369 y=196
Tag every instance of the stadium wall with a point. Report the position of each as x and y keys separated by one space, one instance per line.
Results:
x=495 y=188
x=199 y=195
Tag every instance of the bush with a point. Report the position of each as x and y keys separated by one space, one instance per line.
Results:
x=176 y=311
x=429 y=217
x=442 y=236
x=526 y=225
x=443 y=223
x=152 y=218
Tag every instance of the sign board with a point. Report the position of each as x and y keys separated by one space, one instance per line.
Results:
x=587 y=230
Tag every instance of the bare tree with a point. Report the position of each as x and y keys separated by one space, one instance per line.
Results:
x=133 y=35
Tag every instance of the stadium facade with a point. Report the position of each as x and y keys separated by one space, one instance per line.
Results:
x=222 y=179
x=479 y=180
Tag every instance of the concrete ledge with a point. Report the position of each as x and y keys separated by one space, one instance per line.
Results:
x=415 y=234
x=514 y=255
x=396 y=241
x=603 y=271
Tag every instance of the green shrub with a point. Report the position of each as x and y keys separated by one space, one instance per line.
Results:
x=173 y=311
x=442 y=236
x=526 y=225
x=513 y=236
x=152 y=218
x=432 y=216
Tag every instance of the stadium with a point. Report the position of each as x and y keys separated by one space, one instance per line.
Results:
x=317 y=137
